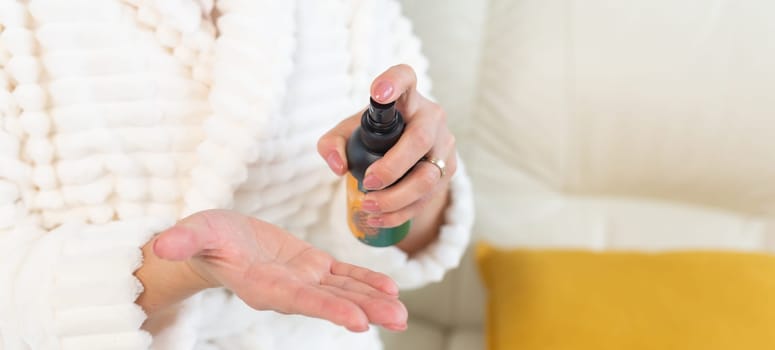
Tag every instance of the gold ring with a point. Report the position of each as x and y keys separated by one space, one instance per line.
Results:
x=439 y=163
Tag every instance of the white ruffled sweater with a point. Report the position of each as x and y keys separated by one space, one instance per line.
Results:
x=117 y=118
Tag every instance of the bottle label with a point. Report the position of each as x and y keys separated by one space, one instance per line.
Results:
x=356 y=219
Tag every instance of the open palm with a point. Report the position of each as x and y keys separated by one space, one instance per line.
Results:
x=270 y=269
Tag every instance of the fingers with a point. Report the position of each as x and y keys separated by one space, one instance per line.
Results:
x=190 y=236
x=315 y=301
x=381 y=308
x=332 y=145
x=398 y=217
x=409 y=197
x=426 y=136
x=424 y=179
x=354 y=285
x=387 y=312
x=344 y=299
x=397 y=83
x=374 y=279
x=350 y=309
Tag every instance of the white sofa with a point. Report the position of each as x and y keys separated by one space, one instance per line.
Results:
x=448 y=315
x=601 y=125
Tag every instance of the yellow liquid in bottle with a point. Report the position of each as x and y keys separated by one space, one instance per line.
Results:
x=356 y=219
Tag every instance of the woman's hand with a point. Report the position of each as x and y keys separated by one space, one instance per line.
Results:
x=422 y=194
x=267 y=268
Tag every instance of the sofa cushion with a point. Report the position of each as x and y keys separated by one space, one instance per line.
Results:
x=419 y=335
x=555 y=299
x=657 y=100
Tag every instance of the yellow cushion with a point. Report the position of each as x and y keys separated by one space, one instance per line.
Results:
x=574 y=300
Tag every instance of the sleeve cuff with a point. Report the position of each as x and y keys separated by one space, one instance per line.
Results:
x=77 y=290
x=430 y=264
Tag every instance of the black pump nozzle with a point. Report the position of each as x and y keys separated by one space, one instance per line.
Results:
x=382 y=125
x=382 y=117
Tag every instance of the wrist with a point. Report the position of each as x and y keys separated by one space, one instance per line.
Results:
x=166 y=282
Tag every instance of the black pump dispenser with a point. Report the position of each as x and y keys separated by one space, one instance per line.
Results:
x=381 y=127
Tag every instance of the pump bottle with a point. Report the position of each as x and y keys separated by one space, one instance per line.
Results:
x=381 y=127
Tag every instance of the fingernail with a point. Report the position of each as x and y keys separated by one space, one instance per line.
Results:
x=392 y=289
x=375 y=221
x=372 y=182
x=395 y=327
x=358 y=328
x=383 y=91
x=370 y=206
x=335 y=162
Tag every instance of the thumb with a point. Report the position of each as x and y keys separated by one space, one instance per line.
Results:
x=188 y=238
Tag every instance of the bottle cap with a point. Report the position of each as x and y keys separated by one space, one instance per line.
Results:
x=382 y=117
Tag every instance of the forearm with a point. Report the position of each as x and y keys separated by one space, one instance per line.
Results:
x=165 y=282
x=426 y=225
